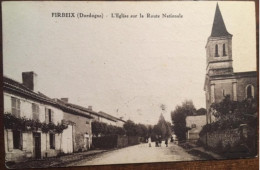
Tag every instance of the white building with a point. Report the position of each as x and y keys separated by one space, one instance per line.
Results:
x=23 y=103
x=195 y=123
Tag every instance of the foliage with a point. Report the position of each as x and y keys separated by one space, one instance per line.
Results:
x=201 y=111
x=133 y=129
x=103 y=129
x=179 y=118
x=162 y=128
x=231 y=114
x=25 y=124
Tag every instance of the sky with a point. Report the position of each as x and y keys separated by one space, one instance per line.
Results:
x=124 y=67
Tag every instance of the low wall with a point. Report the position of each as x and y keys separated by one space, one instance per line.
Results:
x=224 y=138
x=105 y=142
x=133 y=140
x=122 y=141
x=242 y=139
x=114 y=141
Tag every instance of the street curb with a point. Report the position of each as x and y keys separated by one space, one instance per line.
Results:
x=64 y=164
x=206 y=154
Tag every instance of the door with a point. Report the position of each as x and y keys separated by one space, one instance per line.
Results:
x=37 y=145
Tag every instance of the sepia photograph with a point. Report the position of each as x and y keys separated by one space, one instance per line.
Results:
x=101 y=83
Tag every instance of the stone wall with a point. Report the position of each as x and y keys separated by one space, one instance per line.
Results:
x=224 y=138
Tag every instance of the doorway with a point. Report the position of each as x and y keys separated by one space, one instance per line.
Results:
x=37 y=145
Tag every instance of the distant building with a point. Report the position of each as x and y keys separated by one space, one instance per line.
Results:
x=99 y=116
x=220 y=79
x=195 y=124
x=24 y=102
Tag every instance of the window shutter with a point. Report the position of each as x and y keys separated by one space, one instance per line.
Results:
x=57 y=141
x=38 y=112
x=10 y=140
x=52 y=115
x=33 y=111
x=47 y=141
x=46 y=116
x=18 y=107
x=24 y=141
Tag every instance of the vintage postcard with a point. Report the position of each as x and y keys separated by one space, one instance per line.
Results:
x=94 y=83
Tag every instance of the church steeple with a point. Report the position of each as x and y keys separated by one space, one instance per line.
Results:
x=219 y=48
x=218 y=28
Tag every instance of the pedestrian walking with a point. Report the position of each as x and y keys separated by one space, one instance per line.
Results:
x=166 y=142
x=149 y=141
x=160 y=141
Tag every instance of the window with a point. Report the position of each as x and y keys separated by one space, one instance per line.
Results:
x=223 y=92
x=249 y=91
x=48 y=115
x=193 y=126
x=16 y=106
x=52 y=141
x=17 y=139
x=224 y=50
x=216 y=51
x=35 y=111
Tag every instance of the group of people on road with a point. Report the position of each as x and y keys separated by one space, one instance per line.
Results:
x=158 y=141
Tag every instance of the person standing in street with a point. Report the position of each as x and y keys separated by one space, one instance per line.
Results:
x=149 y=141
x=166 y=142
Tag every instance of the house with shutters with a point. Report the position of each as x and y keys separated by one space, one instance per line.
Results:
x=37 y=126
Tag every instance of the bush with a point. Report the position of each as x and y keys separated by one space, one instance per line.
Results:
x=103 y=129
x=105 y=142
x=231 y=114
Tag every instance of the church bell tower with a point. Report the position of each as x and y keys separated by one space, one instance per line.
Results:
x=219 y=48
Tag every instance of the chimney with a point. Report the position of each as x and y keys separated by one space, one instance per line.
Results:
x=66 y=100
x=90 y=107
x=30 y=80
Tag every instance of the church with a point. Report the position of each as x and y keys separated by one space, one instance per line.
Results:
x=220 y=79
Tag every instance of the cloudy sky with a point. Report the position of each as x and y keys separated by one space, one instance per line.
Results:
x=125 y=67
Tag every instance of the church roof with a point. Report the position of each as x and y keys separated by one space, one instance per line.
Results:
x=219 y=28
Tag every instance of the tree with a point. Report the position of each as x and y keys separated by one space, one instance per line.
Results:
x=234 y=111
x=130 y=128
x=179 y=118
x=103 y=129
x=201 y=111
x=133 y=129
x=162 y=128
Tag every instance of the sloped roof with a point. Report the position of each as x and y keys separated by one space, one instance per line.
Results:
x=18 y=88
x=219 y=28
x=101 y=114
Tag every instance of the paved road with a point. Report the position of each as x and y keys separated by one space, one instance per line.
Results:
x=139 y=154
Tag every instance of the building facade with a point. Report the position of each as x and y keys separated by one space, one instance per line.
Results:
x=195 y=124
x=23 y=103
x=98 y=116
x=220 y=79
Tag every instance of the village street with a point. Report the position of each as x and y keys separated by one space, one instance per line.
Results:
x=139 y=154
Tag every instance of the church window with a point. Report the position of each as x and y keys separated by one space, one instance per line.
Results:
x=224 y=50
x=216 y=51
x=249 y=91
x=223 y=92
